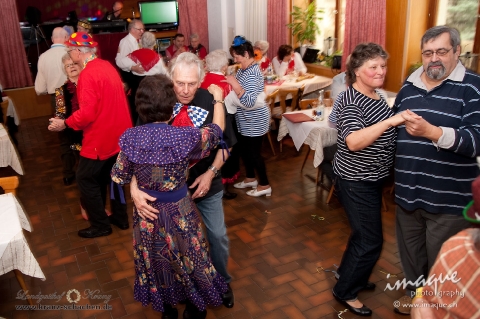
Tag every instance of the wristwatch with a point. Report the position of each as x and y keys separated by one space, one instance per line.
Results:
x=217 y=101
x=214 y=170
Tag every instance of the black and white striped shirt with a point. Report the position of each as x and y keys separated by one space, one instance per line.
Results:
x=357 y=111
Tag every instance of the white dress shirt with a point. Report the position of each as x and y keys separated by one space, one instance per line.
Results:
x=281 y=67
x=50 y=73
x=127 y=45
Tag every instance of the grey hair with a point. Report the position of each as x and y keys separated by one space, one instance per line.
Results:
x=475 y=233
x=187 y=59
x=194 y=36
x=262 y=45
x=216 y=60
x=148 y=40
x=435 y=32
x=87 y=49
x=132 y=24
x=65 y=57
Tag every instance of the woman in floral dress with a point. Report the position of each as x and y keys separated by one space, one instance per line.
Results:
x=171 y=257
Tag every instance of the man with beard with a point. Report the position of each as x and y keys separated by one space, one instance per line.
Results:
x=436 y=154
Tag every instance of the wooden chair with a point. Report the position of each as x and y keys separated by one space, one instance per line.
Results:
x=283 y=94
x=9 y=185
x=311 y=103
x=270 y=100
x=4 y=106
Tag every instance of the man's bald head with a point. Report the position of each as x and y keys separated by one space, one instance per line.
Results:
x=59 y=35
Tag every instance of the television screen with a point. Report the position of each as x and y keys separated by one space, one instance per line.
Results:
x=163 y=14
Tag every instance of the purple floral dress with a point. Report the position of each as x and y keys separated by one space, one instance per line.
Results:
x=171 y=255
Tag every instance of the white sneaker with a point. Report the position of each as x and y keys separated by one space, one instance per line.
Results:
x=267 y=192
x=242 y=184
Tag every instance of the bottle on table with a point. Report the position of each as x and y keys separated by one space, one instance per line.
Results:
x=320 y=108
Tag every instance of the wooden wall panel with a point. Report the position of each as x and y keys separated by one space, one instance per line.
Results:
x=394 y=44
x=418 y=24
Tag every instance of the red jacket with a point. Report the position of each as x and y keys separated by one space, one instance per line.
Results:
x=103 y=114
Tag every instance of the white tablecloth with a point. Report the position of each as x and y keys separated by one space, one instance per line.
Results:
x=14 y=250
x=316 y=134
x=314 y=84
x=8 y=152
x=11 y=112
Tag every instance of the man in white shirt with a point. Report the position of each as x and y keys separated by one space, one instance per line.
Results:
x=50 y=73
x=127 y=45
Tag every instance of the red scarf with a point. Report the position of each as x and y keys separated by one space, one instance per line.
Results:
x=146 y=57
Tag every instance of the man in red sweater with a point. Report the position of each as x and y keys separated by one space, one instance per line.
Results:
x=103 y=116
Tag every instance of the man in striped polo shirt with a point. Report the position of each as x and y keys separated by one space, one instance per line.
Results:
x=436 y=154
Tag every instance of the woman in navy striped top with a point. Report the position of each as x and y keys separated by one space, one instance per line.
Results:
x=366 y=146
x=253 y=122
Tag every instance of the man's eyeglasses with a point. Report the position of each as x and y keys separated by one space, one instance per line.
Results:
x=70 y=50
x=439 y=52
x=141 y=29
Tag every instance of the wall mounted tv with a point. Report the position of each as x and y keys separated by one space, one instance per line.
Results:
x=160 y=14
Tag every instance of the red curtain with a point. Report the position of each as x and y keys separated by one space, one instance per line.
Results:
x=193 y=19
x=277 y=18
x=361 y=27
x=14 y=71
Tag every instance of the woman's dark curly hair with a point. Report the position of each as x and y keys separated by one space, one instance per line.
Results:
x=155 y=99
x=240 y=45
x=361 y=54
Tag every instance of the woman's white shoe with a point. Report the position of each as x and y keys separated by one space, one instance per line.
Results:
x=255 y=193
x=242 y=184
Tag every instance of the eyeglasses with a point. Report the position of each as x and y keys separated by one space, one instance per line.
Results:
x=70 y=65
x=141 y=29
x=439 y=52
x=68 y=51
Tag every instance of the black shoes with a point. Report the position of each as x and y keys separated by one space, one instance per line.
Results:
x=227 y=195
x=120 y=225
x=363 y=311
x=228 y=297
x=67 y=181
x=192 y=312
x=170 y=312
x=92 y=232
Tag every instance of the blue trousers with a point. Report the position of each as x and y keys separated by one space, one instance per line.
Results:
x=362 y=201
x=211 y=209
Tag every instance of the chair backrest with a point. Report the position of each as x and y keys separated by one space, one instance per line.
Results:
x=270 y=100
x=283 y=93
x=312 y=103
x=9 y=184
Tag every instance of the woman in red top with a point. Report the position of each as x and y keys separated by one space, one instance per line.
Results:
x=217 y=64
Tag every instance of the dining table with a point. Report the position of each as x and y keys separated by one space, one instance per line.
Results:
x=8 y=152
x=15 y=253
x=315 y=134
x=310 y=84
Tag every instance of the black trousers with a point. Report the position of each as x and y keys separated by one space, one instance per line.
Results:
x=93 y=176
x=68 y=155
x=250 y=151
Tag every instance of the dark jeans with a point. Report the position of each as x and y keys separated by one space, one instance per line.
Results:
x=250 y=151
x=93 y=176
x=362 y=201
x=420 y=235
x=68 y=155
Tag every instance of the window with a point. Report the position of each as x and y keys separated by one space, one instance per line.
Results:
x=332 y=26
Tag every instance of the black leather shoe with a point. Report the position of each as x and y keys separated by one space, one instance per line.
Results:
x=228 y=297
x=120 y=225
x=170 y=313
x=67 y=181
x=227 y=195
x=192 y=312
x=92 y=232
x=363 y=311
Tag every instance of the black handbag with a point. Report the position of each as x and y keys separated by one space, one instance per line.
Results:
x=337 y=62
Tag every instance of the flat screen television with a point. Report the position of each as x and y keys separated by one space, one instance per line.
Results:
x=160 y=14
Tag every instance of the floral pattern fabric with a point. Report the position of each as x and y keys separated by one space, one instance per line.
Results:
x=171 y=254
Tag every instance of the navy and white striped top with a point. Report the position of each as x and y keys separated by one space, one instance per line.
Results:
x=357 y=111
x=253 y=122
x=439 y=180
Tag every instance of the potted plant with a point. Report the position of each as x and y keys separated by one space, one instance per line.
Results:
x=304 y=24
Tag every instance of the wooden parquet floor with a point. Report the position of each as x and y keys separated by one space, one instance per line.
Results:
x=278 y=250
